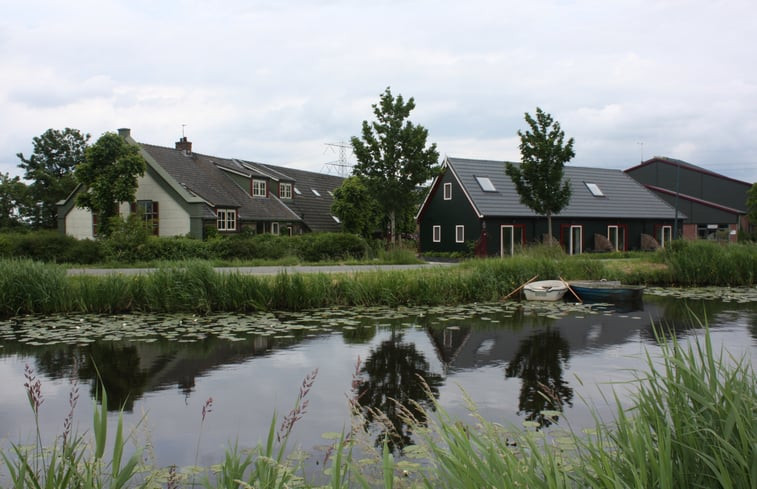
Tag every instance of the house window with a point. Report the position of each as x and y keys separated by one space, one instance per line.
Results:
x=316 y=192
x=459 y=234
x=486 y=184
x=447 y=191
x=149 y=211
x=616 y=234
x=226 y=219
x=336 y=219
x=437 y=234
x=258 y=188
x=594 y=189
x=576 y=240
x=274 y=228
x=512 y=238
x=297 y=191
x=285 y=190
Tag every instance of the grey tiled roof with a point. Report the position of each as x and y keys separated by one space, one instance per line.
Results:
x=623 y=197
x=200 y=174
x=314 y=209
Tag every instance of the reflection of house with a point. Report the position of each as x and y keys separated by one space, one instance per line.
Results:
x=714 y=204
x=186 y=193
x=474 y=201
x=480 y=343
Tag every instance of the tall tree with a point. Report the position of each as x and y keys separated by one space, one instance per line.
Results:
x=50 y=170
x=751 y=205
x=392 y=157
x=539 y=178
x=109 y=173
x=13 y=195
x=357 y=210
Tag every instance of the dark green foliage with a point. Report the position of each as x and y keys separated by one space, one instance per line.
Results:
x=50 y=169
x=709 y=263
x=539 y=177
x=49 y=246
x=392 y=158
x=356 y=208
x=109 y=174
x=329 y=246
x=14 y=196
x=751 y=204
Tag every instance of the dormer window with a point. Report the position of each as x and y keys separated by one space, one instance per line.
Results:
x=259 y=188
x=594 y=189
x=285 y=190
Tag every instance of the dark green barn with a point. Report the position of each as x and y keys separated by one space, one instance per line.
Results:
x=715 y=205
x=473 y=205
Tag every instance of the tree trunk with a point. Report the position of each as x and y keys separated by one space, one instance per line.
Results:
x=549 y=230
x=392 y=228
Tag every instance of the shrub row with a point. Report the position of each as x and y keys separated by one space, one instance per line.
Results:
x=130 y=246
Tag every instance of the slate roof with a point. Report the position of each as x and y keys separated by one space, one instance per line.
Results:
x=314 y=209
x=686 y=165
x=623 y=196
x=200 y=175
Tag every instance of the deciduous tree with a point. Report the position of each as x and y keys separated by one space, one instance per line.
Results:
x=539 y=178
x=109 y=173
x=13 y=194
x=356 y=208
x=392 y=157
x=50 y=170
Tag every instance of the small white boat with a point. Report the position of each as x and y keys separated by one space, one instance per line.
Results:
x=545 y=290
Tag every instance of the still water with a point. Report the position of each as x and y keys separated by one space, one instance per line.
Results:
x=162 y=370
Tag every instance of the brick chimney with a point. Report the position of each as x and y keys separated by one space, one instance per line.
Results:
x=184 y=145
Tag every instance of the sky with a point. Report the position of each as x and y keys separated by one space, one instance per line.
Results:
x=288 y=82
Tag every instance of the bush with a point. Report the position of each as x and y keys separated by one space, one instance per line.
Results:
x=47 y=246
x=330 y=246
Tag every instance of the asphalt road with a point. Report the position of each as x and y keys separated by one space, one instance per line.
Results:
x=272 y=270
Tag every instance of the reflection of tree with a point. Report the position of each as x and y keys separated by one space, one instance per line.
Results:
x=396 y=373
x=117 y=367
x=539 y=362
x=359 y=335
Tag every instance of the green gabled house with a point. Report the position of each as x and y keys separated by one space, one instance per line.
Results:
x=473 y=205
x=184 y=193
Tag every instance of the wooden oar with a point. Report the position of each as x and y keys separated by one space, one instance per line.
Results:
x=571 y=290
x=522 y=285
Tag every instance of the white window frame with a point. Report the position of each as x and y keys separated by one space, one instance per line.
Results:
x=459 y=233
x=436 y=234
x=285 y=190
x=663 y=234
x=257 y=191
x=571 y=248
x=226 y=219
x=486 y=184
x=612 y=241
x=448 y=191
x=275 y=228
x=594 y=189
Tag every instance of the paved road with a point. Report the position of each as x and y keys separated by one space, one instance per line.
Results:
x=272 y=270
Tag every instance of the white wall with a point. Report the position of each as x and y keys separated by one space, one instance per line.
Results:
x=174 y=220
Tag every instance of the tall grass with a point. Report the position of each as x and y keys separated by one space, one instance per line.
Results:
x=708 y=263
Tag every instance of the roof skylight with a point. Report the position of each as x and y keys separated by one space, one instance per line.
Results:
x=594 y=189
x=297 y=191
x=316 y=192
x=336 y=219
x=486 y=184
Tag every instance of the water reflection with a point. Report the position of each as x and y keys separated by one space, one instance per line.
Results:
x=394 y=375
x=539 y=364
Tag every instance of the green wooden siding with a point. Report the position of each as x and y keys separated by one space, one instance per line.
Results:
x=448 y=214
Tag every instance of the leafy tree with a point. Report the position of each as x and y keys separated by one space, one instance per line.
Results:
x=392 y=157
x=539 y=178
x=751 y=204
x=50 y=170
x=13 y=195
x=109 y=172
x=356 y=208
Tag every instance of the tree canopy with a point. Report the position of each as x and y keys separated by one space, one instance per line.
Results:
x=13 y=199
x=392 y=157
x=751 y=204
x=357 y=210
x=109 y=173
x=539 y=178
x=50 y=169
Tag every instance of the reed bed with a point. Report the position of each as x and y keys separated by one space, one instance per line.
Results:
x=28 y=287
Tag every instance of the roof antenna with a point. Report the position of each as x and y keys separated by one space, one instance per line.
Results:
x=641 y=145
x=182 y=130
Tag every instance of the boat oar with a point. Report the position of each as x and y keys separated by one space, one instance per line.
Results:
x=522 y=285
x=571 y=290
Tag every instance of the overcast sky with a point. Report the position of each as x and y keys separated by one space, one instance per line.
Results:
x=276 y=82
